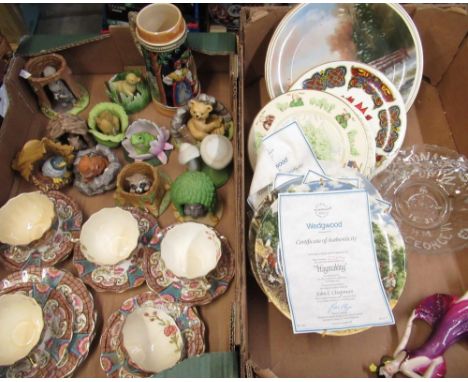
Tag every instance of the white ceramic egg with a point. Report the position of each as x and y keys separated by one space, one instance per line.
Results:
x=21 y=325
x=109 y=236
x=190 y=250
x=25 y=218
x=152 y=339
x=216 y=151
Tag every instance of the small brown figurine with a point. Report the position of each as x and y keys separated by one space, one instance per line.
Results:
x=201 y=122
x=127 y=86
x=108 y=123
x=70 y=129
x=91 y=166
x=138 y=183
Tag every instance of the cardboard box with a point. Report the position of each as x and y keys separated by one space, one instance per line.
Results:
x=93 y=63
x=438 y=116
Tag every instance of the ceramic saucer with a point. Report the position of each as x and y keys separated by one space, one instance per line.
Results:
x=77 y=297
x=372 y=94
x=263 y=244
x=428 y=188
x=126 y=274
x=114 y=359
x=336 y=132
x=381 y=35
x=198 y=291
x=56 y=336
x=56 y=244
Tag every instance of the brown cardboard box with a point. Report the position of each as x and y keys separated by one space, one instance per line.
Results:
x=92 y=64
x=439 y=116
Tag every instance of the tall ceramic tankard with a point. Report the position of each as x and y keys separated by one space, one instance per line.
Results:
x=161 y=33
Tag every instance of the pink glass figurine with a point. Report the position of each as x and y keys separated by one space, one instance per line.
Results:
x=448 y=316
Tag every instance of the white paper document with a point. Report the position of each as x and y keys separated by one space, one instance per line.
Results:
x=329 y=262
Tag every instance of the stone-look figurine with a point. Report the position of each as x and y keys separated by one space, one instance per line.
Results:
x=70 y=129
x=448 y=317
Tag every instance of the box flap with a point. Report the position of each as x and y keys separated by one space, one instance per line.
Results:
x=441 y=31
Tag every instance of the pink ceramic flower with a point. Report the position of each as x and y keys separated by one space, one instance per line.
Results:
x=160 y=144
x=170 y=330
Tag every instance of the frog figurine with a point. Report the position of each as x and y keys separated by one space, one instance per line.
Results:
x=141 y=142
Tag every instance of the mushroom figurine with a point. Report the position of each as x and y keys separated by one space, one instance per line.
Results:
x=189 y=155
x=216 y=151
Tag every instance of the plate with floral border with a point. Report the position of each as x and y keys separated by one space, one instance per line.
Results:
x=197 y=291
x=56 y=335
x=263 y=244
x=381 y=35
x=126 y=274
x=55 y=245
x=372 y=94
x=78 y=297
x=333 y=128
x=114 y=359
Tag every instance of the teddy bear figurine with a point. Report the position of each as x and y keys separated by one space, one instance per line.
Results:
x=127 y=86
x=202 y=122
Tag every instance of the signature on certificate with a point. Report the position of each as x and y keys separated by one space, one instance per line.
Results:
x=339 y=308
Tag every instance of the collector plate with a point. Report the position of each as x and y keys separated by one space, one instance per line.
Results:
x=56 y=335
x=197 y=291
x=114 y=359
x=336 y=132
x=263 y=243
x=55 y=245
x=78 y=297
x=381 y=35
x=428 y=188
x=126 y=274
x=372 y=94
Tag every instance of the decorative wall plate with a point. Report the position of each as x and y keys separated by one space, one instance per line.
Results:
x=428 y=188
x=78 y=298
x=336 y=132
x=381 y=35
x=56 y=335
x=55 y=245
x=126 y=274
x=197 y=291
x=372 y=94
x=263 y=244
x=114 y=359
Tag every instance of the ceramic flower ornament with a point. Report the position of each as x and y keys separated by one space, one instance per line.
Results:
x=146 y=141
x=448 y=317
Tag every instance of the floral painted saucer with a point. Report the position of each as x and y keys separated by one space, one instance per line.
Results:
x=56 y=336
x=77 y=297
x=197 y=291
x=336 y=131
x=56 y=244
x=264 y=237
x=372 y=94
x=114 y=358
x=126 y=274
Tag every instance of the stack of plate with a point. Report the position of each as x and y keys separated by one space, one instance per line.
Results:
x=264 y=239
x=69 y=320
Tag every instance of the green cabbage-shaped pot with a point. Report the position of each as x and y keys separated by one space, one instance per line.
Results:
x=106 y=139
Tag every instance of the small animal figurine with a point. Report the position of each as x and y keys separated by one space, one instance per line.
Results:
x=202 y=122
x=55 y=167
x=138 y=183
x=91 y=166
x=108 y=123
x=127 y=86
x=141 y=141
x=60 y=92
x=448 y=317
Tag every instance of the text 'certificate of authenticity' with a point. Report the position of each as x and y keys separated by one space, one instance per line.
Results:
x=331 y=270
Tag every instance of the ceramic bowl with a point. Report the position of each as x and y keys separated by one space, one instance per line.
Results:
x=198 y=290
x=127 y=273
x=179 y=320
x=152 y=339
x=55 y=245
x=190 y=250
x=21 y=325
x=26 y=218
x=109 y=236
x=72 y=292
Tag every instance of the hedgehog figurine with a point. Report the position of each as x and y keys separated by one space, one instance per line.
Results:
x=193 y=194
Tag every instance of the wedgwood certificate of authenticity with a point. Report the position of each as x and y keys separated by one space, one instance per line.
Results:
x=331 y=270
